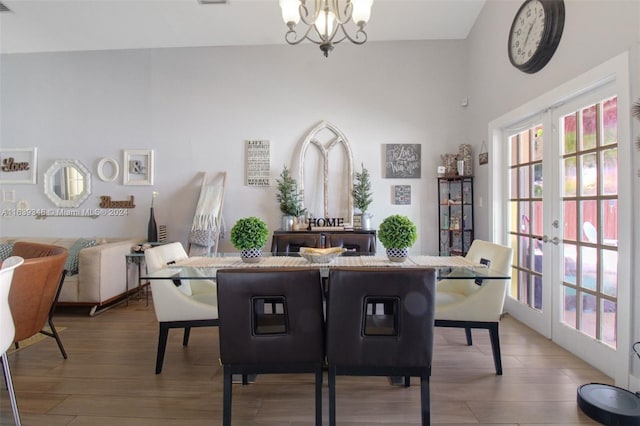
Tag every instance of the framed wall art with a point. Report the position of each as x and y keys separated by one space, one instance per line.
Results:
x=402 y=160
x=137 y=167
x=402 y=194
x=258 y=162
x=18 y=165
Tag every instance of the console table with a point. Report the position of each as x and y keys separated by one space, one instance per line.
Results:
x=324 y=233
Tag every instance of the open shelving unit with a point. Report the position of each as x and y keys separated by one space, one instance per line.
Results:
x=455 y=216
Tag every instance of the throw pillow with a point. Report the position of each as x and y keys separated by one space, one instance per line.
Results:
x=5 y=250
x=74 y=251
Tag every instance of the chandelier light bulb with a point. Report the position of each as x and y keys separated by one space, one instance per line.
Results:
x=361 y=11
x=290 y=12
x=324 y=23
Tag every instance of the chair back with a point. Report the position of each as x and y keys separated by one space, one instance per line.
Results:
x=355 y=244
x=7 y=328
x=270 y=316
x=288 y=244
x=34 y=285
x=380 y=317
x=158 y=257
x=464 y=299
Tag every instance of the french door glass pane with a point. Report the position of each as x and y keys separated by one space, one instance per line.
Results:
x=590 y=213
x=526 y=226
x=589 y=127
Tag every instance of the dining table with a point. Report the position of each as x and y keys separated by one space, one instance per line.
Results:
x=205 y=267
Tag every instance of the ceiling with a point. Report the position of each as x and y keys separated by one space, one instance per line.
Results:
x=70 y=25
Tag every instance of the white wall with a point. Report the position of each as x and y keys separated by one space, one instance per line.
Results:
x=195 y=107
x=594 y=32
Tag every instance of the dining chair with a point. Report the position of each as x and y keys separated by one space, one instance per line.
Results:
x=380 y=322
x=7 y=327
x=271 y=321
x=289 y=244
x=178 y=303
x=355 y=244
x=35 y=289
x=469 y=303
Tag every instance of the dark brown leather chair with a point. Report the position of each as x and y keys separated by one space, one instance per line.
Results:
x=35 y=288
x=380 y=322
x=271 y=321
x=355 y=244
x=289 y=244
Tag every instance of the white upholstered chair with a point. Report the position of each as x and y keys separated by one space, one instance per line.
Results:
x=179 y=303
x=468 y=304
x=7 y=328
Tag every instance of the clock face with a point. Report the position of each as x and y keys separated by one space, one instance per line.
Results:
x=527 y=32
x=535 y=34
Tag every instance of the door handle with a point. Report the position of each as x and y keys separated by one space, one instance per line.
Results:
x=554 y=240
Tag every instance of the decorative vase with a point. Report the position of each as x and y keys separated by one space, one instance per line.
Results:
x=252 y=255
x=152 y=228
x=366 y=221
x=287 y=223
x=397 y=254
x=460 y=167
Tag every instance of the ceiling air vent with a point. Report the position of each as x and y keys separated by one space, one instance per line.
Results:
x=4 y=8
x=213 y=1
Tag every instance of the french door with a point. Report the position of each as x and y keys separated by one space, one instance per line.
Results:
x=563 y=174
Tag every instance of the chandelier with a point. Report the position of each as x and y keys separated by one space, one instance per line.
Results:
x=326 y=22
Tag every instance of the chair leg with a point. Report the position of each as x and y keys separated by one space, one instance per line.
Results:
x=12 y=393
x=226 y=397
x=332 y=396
x=425 y=400
x=185 y=338
x=467 y=332
x=319 y=396
x=162 y=346
x=495 y=347
x=55 y=335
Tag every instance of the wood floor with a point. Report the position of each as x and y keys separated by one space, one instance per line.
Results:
x=109 y=380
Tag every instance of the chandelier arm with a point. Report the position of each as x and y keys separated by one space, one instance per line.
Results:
x=296 y=40
x=356 y=39
x=344 y=16
x=303 y=11
x=322 y=37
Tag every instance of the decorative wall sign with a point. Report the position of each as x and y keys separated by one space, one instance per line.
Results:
x=107 y=203
x=137 y=167
x=258 y=162
x=483 y=157
x=402 y=194
x=103 y=169
x=402 y=160
x=18 y=165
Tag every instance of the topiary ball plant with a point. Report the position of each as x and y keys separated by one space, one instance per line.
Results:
x=397 y=233
x=249 y=233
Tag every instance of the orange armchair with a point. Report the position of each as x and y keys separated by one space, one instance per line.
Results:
x=35 y=287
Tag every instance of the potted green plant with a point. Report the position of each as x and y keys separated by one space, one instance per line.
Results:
x=362 y=196
x=289 y=198
x=397 y=233
x=249 y=235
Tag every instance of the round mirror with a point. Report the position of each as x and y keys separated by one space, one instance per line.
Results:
x=67 y=183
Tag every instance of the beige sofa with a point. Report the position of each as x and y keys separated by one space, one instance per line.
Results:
x=101 y=269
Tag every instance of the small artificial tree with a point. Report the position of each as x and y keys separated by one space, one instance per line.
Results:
x=362 y=195
x=288 y=196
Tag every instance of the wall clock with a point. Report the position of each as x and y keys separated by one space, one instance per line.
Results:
x=535 y=34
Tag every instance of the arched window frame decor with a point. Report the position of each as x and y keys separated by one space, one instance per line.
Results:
x=338 y=139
